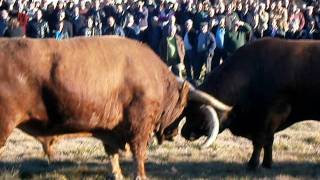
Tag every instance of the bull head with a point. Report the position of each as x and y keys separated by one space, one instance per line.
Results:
x=201 y=116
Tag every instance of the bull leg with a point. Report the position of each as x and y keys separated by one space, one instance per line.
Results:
x=126 y=153
x=8 y=123
x=139 y=155
x=116 y=169
x=114 y=160
x=47 y=143
x=267 y=158
x=254 y=160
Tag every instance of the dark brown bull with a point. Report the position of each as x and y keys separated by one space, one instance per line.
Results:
x=114 y=89
x=270 y=84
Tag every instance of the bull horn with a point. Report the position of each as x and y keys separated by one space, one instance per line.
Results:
x=203 y=97
x=207 y=99
x=212 y=114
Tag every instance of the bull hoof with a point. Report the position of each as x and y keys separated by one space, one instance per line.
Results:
x=50 y=157
x=141 y=178
x=1 y=150
x=267 y=165
x=115 y=177
x=252 y=166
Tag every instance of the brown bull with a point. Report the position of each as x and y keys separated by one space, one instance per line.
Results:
x=114 y=89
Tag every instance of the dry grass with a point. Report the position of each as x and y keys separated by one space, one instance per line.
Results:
x=296 y=156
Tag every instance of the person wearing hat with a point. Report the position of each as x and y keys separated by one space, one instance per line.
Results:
x=205 y=46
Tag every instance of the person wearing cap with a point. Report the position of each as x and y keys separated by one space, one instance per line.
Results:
x=172 y=52
x=237 y=36
x=205 y=46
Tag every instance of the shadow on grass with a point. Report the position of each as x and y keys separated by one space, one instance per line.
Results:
x=214 y=169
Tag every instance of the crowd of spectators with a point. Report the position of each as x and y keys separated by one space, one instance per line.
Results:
x=185 y=33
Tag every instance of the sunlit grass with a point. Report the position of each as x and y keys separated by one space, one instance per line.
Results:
x=296 y=156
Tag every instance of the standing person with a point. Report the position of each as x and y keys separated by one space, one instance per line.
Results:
x=230 y=16
x=310 y=32
x=78 y=21
x=90 y=30
x=4 y=19
x=131 y=30
x=172 y=52
x=293 y=31
x=205 y=45
x=60 y=32
x=38 y=27
x=297 y=15
x=200 y=16
x=111 y=28
x=189 y=39
x=171 y=22
x=83 y=10
x=14 y=29
x=219 y=52
x=236 y=37
x=272 y=30
x=263 y=17
x=97 y=13
x=67 y=26
x=141 y=19
x=154 y=34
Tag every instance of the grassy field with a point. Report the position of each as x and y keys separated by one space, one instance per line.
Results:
x=296 y=156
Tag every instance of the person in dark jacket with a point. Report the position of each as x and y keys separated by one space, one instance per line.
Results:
x=154 y=34
x=67 y=26
x=78 y=21
x=4 y=22
x=205 y=46
x=310 y=32
x=293 y=32
x=131 y=30
x=90 y=30
x=112 y=28
x=98 y=14
x=38 y=27
x=14 y=29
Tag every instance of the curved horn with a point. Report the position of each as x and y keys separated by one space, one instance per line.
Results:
x=201 y=96
x=212 y=114
x=207 y=99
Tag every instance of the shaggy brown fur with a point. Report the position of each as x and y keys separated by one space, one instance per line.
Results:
x=114 y=89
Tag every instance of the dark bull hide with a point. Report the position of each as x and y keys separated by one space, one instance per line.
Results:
x=270 y=84
x=114 y=89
